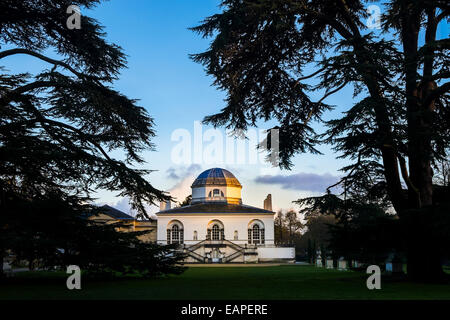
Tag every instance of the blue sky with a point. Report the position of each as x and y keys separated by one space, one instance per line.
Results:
x=176 y=92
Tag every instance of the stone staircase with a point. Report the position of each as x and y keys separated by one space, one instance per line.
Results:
x=196 y=256
x=238 y=250
x=233 y=256
x=190 y=251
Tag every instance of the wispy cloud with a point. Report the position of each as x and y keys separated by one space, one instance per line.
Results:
x=184 y=176
x=182 y=172
x=301 y=181
x=172 y=173
x=182 y=189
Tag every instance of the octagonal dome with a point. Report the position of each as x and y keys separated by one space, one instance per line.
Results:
x=216 y=177
x=216 y=185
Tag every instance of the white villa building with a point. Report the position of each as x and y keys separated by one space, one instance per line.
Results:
x=217 y=227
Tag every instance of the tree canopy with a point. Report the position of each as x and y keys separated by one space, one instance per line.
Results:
x=59 y=126
x=48 y=232
x=262 y=50
x=272 y=56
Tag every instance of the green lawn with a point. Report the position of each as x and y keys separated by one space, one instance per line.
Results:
x=272 y=282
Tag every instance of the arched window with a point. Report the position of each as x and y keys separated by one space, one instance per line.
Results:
x=216 y=193
x=195 y=235
x=256 y=232
x=175 y=233
x=236 y=235
x=215 y=231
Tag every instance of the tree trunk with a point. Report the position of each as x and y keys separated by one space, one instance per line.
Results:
x=424 y=263
x=387 y=144
x=420 y=151
x=423 y=256
x=423 y=247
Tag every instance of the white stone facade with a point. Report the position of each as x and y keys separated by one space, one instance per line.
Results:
x=235 y=227
x=217 y=227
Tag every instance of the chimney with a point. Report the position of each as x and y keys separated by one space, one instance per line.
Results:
x=164 y=205
x=268 y=202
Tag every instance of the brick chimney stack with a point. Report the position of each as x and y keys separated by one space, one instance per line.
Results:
x=268 y=202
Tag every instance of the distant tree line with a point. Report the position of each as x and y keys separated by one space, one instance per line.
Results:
x=307 y=237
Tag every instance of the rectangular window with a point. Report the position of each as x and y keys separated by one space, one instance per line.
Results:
x=215 y=232
x=175 y=237
x=256 y=234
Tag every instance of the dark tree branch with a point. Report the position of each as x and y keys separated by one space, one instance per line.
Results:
x=82 y=135
x=358 y=162
x=10 y=52
x=430 y=36
x=332 y=22
x=30 y=86
x=43 y=120
x=405 y=175
x=441 y=16
x=332 y=92
x=311 y=75
x=348 y=18
x=436 y=93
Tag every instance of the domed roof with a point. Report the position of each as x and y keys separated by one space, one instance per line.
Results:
x=216 y=176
